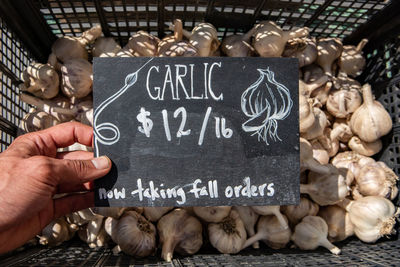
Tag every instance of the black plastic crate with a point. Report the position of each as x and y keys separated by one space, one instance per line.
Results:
x=29 y=27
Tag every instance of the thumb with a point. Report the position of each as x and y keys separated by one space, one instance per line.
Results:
x=82 y=171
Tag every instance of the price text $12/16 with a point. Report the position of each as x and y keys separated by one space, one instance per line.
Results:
x=221 y=131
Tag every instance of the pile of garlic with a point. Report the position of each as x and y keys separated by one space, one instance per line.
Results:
x=344 y=191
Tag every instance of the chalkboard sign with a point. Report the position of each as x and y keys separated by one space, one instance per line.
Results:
x=197 y=131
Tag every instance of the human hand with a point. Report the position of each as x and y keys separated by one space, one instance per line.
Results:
x=32 y=172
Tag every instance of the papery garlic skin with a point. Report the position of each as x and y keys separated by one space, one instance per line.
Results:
x=307 y=161
x=229 y=235
x=271 y=232
x=105 y=47
x=311 y=233
x=317 y=129
x=56 y=233
x=238 y=45
x=370 y=121
x=77 y=78
x=271 y=210
x=372 y=181
x=41 y=80
x=329 y=49
x=338 y=220
x=352 y=61
x=372 y=217
x=327 y=189
x=295 y=213
x=133 y=234
x=142 y=44
x=270 y=40
x=249 y=218
x=180 y=232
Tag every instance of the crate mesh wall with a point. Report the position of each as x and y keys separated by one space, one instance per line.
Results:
x=14 y=59
x=123 y=18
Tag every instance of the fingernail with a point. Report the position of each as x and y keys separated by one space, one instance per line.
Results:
x=101 y=163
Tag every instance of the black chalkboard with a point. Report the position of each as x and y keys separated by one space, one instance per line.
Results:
x=197 y=131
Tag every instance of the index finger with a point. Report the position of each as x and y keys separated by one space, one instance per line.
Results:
x=66 y=134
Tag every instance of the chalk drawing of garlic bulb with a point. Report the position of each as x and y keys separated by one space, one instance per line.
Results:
x=265 y=103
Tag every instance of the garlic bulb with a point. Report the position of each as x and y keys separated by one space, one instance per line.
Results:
x=343 y=82
x=307 y=162
x=327 y=189
x=174 y=46
x=77 y=78
x=345 y=130
x=75 y=221
x=317 y=129
x=238 y=45
x=249 y=218
x=304 y=49
x=372 y=217
x=212 y=214
x=295 y=213
x=338 y=220
x=52 y=107
x=329 y=49
x=271 y=210
x=351 y=160
x=343 y=102
x=364 y=148
x=321 y=94
x=312 y=72
x=105 y=47
x=271 y=232
x=68 y=47
x=204 y=38
x=319 y=152
x=311 y=233
x=41 y=80
x=229 y=235
x=352 y=61
x=55 y=233
x=306 y=89
x=36 y=121
x=142 y=44
x=97 y=239
x=153 y=214
x=62 y=108
x=372 y=181
x=133 y=234
x=179 y=232
x=270 y=39
x=370 y=121
x=391 y=176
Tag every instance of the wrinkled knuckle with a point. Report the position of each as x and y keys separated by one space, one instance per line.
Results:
x=80 y=167
x=43 y=166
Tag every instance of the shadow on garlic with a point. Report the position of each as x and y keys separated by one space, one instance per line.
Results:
x=311 y=233
x=179 y=232
x=271 y=232
x=338 y=220
x=249 y=218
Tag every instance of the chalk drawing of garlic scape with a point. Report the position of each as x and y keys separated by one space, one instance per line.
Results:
x=265 y=103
